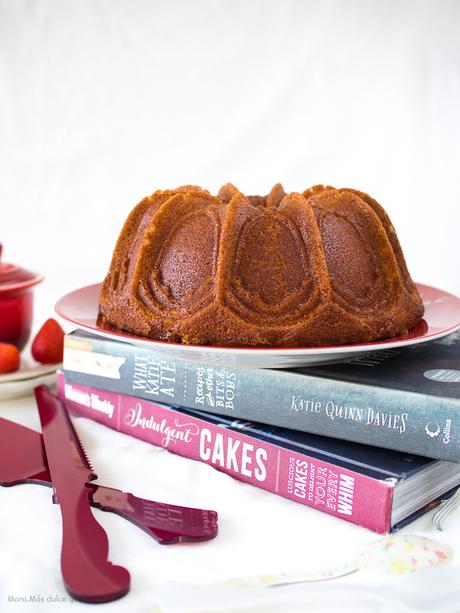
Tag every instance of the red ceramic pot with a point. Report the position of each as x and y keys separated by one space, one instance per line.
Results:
x=16 y=303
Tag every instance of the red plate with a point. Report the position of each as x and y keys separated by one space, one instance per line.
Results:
x=442 y=316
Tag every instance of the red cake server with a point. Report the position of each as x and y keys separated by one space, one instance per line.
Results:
x=88 y=574
x=23 y=460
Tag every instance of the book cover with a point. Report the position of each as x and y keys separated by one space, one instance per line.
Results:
x=350 y=481
x=402 y=399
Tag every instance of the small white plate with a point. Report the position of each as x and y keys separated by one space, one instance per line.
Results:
x=24 y=387
x=29 y=375
x=442 y=316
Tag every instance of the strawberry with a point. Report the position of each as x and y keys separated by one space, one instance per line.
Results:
x=48 y=345
x=9 y=358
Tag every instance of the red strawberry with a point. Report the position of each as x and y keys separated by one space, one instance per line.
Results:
x=9 y=358
x=48 y=345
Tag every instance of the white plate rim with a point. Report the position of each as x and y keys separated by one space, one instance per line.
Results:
x=28 y=373
x=269 y=352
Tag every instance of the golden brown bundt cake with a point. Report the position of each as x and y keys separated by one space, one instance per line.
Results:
x=320 y=268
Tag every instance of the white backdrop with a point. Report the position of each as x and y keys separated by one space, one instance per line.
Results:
x=102 y=102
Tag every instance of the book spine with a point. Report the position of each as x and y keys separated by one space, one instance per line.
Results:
x=321 y=485
x=399 y=420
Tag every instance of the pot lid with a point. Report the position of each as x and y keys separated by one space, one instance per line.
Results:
x=15 y=277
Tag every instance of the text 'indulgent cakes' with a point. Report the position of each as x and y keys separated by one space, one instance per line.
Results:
x=320 y=268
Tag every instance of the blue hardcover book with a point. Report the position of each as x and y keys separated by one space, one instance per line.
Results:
x=401 y=399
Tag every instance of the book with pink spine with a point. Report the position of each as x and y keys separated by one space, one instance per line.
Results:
x=375 y=488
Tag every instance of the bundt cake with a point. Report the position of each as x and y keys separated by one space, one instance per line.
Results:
x=320 y=268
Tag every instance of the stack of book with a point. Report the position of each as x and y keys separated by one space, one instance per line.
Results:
x=374 y=441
